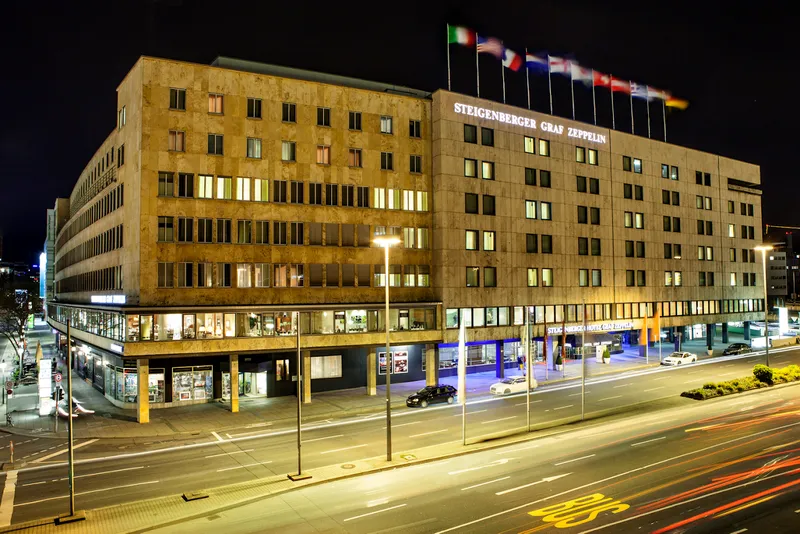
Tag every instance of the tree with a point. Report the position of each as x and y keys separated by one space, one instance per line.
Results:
x=15 y=307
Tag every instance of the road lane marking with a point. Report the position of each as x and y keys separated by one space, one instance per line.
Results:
x=661 y=378
x=498 y=420
x=484 y=483
x=739 y=531
x=243 y=466
x=228 y=453
x=547 y=479
x=609 y=398
x=652 y=389
x=623 y=385
x=344 y=449
x=525 y=403
x=491 y=464
x=63 y=451
x=648 y=441
x=217 y=436
x=7 y=504
x=428 y=433
x=562 y=407
x=88 y=492
x=575 y=459
x=660 y=422
x=576 y=394
x=326 y=437
x=375 y=512
x=470 y=413
x=518 y=449
x=33 y=483
x=405 y=424
x=693 y=380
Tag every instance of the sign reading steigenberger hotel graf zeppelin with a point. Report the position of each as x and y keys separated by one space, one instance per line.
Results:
x=527 y=122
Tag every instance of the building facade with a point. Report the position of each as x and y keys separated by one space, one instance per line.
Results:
x=777 y=278
x=237 y=203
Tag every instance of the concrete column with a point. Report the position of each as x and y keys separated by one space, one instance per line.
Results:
x=372 y=372
x=710 y=335
x=143 y=393
x=747 y=330
x=678 y=337
x=499 y=364
x=643 y=338
x=233 y=365
x=431 y=364
x=724 y=332
x=306 y=356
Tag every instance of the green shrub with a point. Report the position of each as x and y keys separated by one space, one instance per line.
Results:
x=763 y=373
x=763 y=377
x=710 y=385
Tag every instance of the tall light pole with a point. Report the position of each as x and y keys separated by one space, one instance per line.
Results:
x=300 y=475
x=764 y=249
x=386 y=242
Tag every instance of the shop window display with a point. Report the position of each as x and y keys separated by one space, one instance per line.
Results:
x=130 y=381
x=356 y=321
x=156 y=385
x=192 y=383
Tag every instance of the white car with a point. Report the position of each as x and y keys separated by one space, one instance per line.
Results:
x=513 y=384
x=678 y=358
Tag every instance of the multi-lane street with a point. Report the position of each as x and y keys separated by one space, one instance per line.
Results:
x=108 y=474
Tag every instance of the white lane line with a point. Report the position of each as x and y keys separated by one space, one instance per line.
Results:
x=63 y=451
x=87 y=492
x=243 y=466
x=375 y=512
x=108 y=472
x=217 y=436
x=739 y=531
x=428 y=433
x=662 y=378
x=577 y=394
x=406 y=424
x=693 y=380
x=320 y=439
x=525 y=403
x=484 y=483
x=623 y=385
x=519 y=449
x=652 y=389
x=228 y=453
x=498 y=420
x=470 y=413
x=574 y=460
x=7 y=504
x=648 y=441
x=729 y=365
x=729 y=374
x=609 y=398
x=33 y=483
x=548 y=479
x=562 y=407
x=344 y=449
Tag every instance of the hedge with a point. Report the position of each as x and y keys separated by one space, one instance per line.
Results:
x=763 y=377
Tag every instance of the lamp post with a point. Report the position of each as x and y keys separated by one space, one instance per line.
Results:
x=764 y=249
x=386 y=242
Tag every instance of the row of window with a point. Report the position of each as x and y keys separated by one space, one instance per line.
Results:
x=107 y=279
x=107 y=241
x=95 y=170
x=745 y=209
x=248 y=275
x=631 y=164
x=110 y=202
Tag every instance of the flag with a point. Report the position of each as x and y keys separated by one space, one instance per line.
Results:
x=601 y=80
x=678 y=103
x=639 y=91
x=536 y=63
x=460 y=35
x=490 y=45
x=559 y=65
x=652 y=92
x=580 y=74
x=620 y=86
x=511 y=59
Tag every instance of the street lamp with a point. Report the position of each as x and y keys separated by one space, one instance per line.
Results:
x=386 y=242
x=764 y=249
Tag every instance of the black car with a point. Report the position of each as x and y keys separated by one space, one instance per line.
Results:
x=737 y=348
x=431 y=394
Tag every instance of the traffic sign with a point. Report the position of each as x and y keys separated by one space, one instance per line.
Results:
x=58 y=377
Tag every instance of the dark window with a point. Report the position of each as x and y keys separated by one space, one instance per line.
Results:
x=698 y=177
x=363 y=196
x=253 y=108
x=488 y=205
x=596 y=251
x=701 y=228
x=331 y=194
x=544 y=178
x=185 y=185
x=470 y=133
x=414 y=129
x=640 y=249
x=487 y=137
x=354 y=122
x=297 y=233
x=315 y=194
x=324 y=117
x=665 y=196
x=594 y=215
x=583 y=246
x=743 y=208
x=750 y=232
x=288 y=112
x=581 y=183
x=709 y=228
x=547 y=244
x=532 y=243
x=626 y=163
x=415 y=165
x=707 y=178
x=667 y=251
x=594 y=186
x=530 y=176
x=348 y=195
x=750 y=210
x=627 y=190
x=177 y=99
x=205 y=230
x=470 y=203
x=638 y=191
x=676 y=224
x=215 y=144
x=630 y=278
x=676 y=198
x=387 y=163
x=279 y=190
x=223 y=231
x=641 y=278
x=629 y=249
x=667 y=223
x=297 y=192
x=583 y=215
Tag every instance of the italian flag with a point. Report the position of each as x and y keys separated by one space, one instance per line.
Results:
x=460 y=35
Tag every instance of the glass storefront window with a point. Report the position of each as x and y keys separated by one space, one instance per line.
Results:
x=338 y=322
x=167 y=327
x=322 y=322
x=248 y=325
x=491 y=316
x=503 y=316
x=284 y=324
x=268 y=324
x=478 y=317
x=188 y=327
x=466 y=316
x=476 y=355
x=129 y=378
x=120 y=385
x=451 y=318
x=402 y=319
x=155 y=385
x=181 y=384
x=133 y=328
x=111 y=380
x=203 y=382
x=422 y=319
x=356 y=321
x=230 y=325
x=209 y=325
x=146 y=327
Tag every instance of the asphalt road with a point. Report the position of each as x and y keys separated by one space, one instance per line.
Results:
x=729 y=467
x=107 y=475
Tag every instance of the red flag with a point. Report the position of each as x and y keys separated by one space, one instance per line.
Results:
x=601 y=80
x=620 y=86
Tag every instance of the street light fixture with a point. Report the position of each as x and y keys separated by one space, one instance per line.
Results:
x=764 y=249
x=387 y=241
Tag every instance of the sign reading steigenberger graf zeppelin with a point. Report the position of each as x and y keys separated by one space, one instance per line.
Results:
x=527 y=122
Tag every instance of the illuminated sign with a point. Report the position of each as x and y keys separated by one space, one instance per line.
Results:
x=527 y=122
x=605 y=327
x=108 y=299
x=116 y=347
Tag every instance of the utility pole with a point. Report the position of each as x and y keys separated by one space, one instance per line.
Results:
x=299 y=475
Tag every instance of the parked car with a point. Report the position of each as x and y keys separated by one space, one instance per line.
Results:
x=432 y=394
x=678 y=358
x=513 y=384
x=737 y=348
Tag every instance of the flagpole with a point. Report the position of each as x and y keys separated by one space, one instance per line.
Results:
x=448 y=56
x=647 y=101
x=594 y=101
x=549 y=86
x=630 y=92
x=572 y=89
x=477 y=66
x=664 y=116
x=528 y=81
x=611 y=86
x=503 y=69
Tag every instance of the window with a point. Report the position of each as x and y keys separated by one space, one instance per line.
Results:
x=533 y=277
x=165 y=274
x=244 y=272
x=750 y=209
x=185 y=271
x=627 y=191
x=185 y=227
x=324 y=117
x=204 y=274
x=583 y=215
x=166 y=184
x=261 y=272
x=638 y=192
x=348 y=196
x=262 y=232
x=253 y=108
x=583 y=246
x=214 y=103
x=546 y=211
x=470 y=203
x=177 y=141
x=363 y=196
x=487 y=170
x=472 y=239
x=665 y=196
x=488 y=205
x=387 y=163
x=626 y=163
x=701 y=253
x=224 y=231
x=731 y=205
x=530 y=145
x=698 y=202
x=205 y=230
x=121 y=156
x=473 y=276
x=580 y=154
x=354 y=157
x=676 y=198
x=547 y=244
x=597 y=278
x=288 y=112
x=629 y=249
x=731 y=230
x=488 y=241
x=580 y=184
x=664 y=170
x=470 y=134
x=667 y=223
x=709 y=228
x=583 y=277
x=185 y=185
x=707 y=203
x=596 y=251
x=630 y=278
x=279 y=191
x=386 y=124
x=224 y=275
x=544 y=148
x=205 y=186
x=733 y=279
x=594 y=215
x=470 y=168
x=422 y=201
x=379 y=197
x=672 y=251
x=530 y=209
x=414 y=129
x=674 y=173
x=490 y=277
x=592 y=156
x=242 y=188
x=177 y=99
x=315 y=194
x=637 y=166
x=244 y=232
x=732 y=254
x=296 y=189
x=676 y=224
x=701 y=279
x=531 y=243
x=667 y=278
x=628 y=219
x=677 y=278
x=415 y=165
x=394 y=199
x=331 y=194
x=224 y=187
x=641 y=278
x=640 y=249
x=487 y=137
x=639 y=221
x=547 y=277
x=698 y=177
x=215 y=144
x=594 y=186
x=287 y=151
x=544 y=178
x=706 y=178
x=354 y=121
x=323 y=155
x=166 y=230
x=297 y=233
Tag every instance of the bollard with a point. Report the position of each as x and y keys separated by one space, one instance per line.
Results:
x=12 y=453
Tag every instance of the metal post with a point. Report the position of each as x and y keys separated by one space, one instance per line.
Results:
x=583 y=363
x=299 y=475
x=389 y=367
x=69 y=423
x=766 y=308
x=447 y=40
x=528 y=366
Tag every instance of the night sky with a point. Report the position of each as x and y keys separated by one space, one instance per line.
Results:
x=62 y=64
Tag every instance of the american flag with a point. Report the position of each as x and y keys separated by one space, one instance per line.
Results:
x=490 y=45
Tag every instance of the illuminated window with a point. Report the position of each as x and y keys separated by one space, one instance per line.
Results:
x=215 y=103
